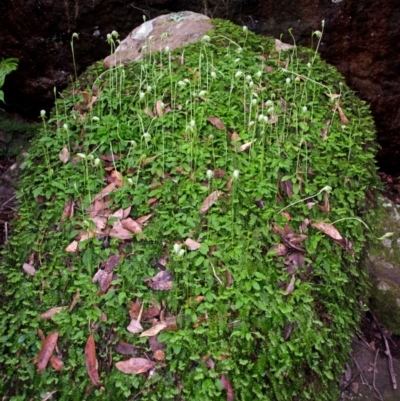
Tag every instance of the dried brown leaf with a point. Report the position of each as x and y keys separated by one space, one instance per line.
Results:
x=209 y=201
x=192 y=244
x=105 y=191
x=143 y=219
x=159 y=108
x=112 y=261
x=131 y=225
x=135 y=366
x=279 y=250
x=134 y=326
x=153 y=331
x=119 y=232
x=91 y=361
x=56 y=363
x=29 y=269
x=290 y=287
x=68 y=211
x=64 y=155
x=161 y=281
x=47 y=349
x=245 y=146
x=216 y=122
x=328 y=229
x=72 y=247
x=51 y=312
x=227 y=385
x=75 y=300
x=343 y=118
x=124 y=348
x=159 y=355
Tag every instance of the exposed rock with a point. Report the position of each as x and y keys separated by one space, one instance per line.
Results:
x=384 y=267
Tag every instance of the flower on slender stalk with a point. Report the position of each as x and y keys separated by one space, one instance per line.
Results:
x=213 y=74
x=43 y=113
x=238 y=74
x=65 y=126
x=210 y=174
x=318 y=34
x=146 y=137
x=235 y=174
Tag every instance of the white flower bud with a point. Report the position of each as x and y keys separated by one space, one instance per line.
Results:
x=205 y=38
x=96 y=162
x=209 y=174
x=245 y=28
x=238 y=74
x=287 y=81
x=65 y=126
x=192 y=123
x=177 y=248
x=213 y=75
x=42 y=113
x=95 y=118
x=81 y=155
x=318 y=34
x=236 y=174
x=202 y=93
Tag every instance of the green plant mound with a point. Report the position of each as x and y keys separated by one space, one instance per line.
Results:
x=213 y=195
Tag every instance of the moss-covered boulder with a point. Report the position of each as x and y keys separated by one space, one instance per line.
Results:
x=190 y=229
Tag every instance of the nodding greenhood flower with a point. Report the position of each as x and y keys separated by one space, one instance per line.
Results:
x=96 y=162
x=235 y=174
x=211 y=136
x=205 y=39
x=254 y=101
x=202 y=93
x=258 y=74
x=271 y=110
x=261 y=117
x=287 y=81
x=210 y=174
x=177 y=248
x=251 y=123
x=238 y=74
x=90 y=157
x=181 y=253
x=109 y=37
x=115 y=34
x=130 y=181
x=248 y=78
x=75 y=36
x=192 y=123
x=81 y=156
x=65 y=126
x=141 y=95
x=95 y=118
x=236 y=60
x=166 y=49
x=323 y=23
x=297 y=79
x=245 y=29
x=186 y=81
x=269 y=103
x=133 y=144
x=304 y=109
x=213 y=75
x=239 y=50
x=146 y=137
x=43 y=113
x=181 y=84
x=251 y=84
x=309 y=65
x=318 y=34
x=149 y=88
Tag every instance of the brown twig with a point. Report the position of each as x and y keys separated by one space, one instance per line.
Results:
x=374 y=375
x=387 y=352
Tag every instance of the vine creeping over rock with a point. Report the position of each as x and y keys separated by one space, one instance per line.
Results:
x=184 y=221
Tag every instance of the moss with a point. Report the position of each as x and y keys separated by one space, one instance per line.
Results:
x=278 y=328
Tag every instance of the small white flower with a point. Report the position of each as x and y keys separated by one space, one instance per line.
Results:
x=95 y=118
x=130 y=181
x=96 y=162
x=251 y=123
x=318 y=34
x=166 y=49
x=205 y=38
x=248 y=78
x=304 y=109
x=245 y=28
x=65 y=126
x=42 y=113
x=254 y=102
x=146 y=137
x=213 y=75
x=258 y=74
x=236 y=60
x=202 y=93
x=210 y=174
x=238 y=74
x=81 y=155
x=236 y=174
x=177 y=248
x=192 y=123
x=269 y=103
x=287 y=81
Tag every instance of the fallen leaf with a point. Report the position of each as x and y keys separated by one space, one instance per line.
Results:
x=112 y=261
x=155 y=345
x=143 y=219
x=134 y=326
x=75 y=300
x=29 y=269
x=48 y=396
x=245 y=146
x=153 y=331
x=64 y=155
x=159 y=108
x=290 y=287
x=343 y=118
x=105 y=191
x=192 y=244
x=209 y=201
x=216 y=122
x=159 y=355
x=227 y=385
x=68 y=211
x=235 y=137
x=124 y=348
x=131 y=225
x=47 y=349
x=328 y=229
x=72 y=247
x=119 y=232
x=56 y=363
x=51 y=312
x=161 y=281
x=278 y=250
x=91 y=361
x=135 y=365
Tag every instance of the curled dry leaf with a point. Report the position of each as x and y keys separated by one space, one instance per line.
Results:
x=91 y=361
x=47 y=349
x=105 y=191
x=131 y=225
x=68 y=211
x=28 y=269
x=192 y=244
x=209 y=201
x=153 y=331
x=135 y=365
x=159 y=108
x=51 y=312
x=216 y=122
x=290 y=287
x=64 y=155
x=343 y=118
